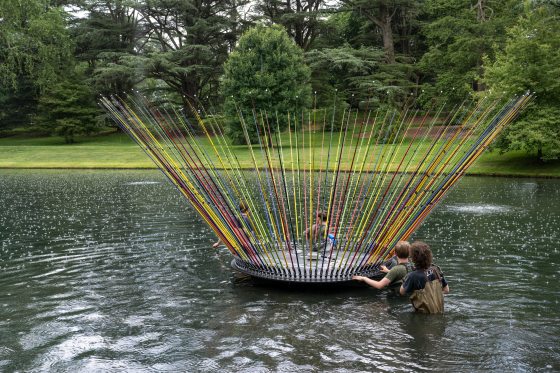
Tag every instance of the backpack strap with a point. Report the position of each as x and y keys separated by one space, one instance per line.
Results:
x=437 y=272
x=407 y=266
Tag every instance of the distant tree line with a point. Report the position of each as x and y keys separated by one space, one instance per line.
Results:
x=57 y=56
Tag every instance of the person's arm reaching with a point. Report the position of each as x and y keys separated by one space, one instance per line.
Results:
x=376 y=284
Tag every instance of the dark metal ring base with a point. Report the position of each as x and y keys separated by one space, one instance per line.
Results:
x=316 y=275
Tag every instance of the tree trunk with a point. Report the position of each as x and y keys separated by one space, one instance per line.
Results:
x=384 y=22
x=480 y=17
x=388 y=44
x=480 y=11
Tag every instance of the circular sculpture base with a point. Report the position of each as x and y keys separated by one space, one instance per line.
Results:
x=320 y=273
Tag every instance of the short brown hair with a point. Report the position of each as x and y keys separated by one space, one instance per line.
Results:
x=402 y=249
x=322 y=215
x=421 y=255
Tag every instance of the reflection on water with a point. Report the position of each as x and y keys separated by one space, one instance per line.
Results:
x=111 y=271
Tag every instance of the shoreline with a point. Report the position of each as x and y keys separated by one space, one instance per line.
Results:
x=62 y=168
x=117 y=152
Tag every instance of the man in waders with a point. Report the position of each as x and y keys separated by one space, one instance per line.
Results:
x=426 y=284
x=395 y=275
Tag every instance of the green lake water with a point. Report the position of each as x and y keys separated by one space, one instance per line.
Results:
x=112 y=271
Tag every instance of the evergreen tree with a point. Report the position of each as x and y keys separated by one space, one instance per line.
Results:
x=67 y=108
x=18 y=105
x=530 y=62
x=187 y=43
x=266 y=72
x=107 y=41
x=302 y=19
x=350 y=58
x=35 y=50
x=384 y=15
x=458 y=34
x=351 y=71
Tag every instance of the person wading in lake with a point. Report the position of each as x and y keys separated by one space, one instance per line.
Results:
x=394 y=259
x=426 y=284
x=395 y=275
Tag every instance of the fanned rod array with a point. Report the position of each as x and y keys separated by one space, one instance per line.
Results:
x=315 y=199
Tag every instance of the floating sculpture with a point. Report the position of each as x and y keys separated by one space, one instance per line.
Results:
x=311 y=204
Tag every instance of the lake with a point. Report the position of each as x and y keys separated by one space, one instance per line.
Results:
x=113 y=271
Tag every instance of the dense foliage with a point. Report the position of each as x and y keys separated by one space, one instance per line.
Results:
x=458 y=37
x=266 y=72
x=67 y=108
x=360 y=53
x=35 y=49
x=530 y=62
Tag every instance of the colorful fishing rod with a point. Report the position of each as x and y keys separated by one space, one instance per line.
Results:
x=324 y=196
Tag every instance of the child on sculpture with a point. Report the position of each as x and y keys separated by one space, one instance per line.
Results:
x=318 y=234
x=426 y=284
x=318 y=229
x=395 y=274
x=244 y=209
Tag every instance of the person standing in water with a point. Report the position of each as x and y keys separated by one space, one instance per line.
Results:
x=385 y=268
x=396 y=273
x=426 y=285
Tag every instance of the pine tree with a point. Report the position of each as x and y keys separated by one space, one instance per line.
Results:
x=67 y=108
x=266 y=72
x=458 y=34
x=187 y=43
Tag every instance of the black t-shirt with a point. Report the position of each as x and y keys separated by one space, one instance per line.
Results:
x=416 y=280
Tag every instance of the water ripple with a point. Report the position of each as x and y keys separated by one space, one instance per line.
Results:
x=104 y=271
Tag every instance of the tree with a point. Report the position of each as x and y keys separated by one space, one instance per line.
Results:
x=35 y=50
x=266 y=72
x=33 y=41
x=458 y=35
x=18 y=105
x=351 y=71
x=187 y=43
x=530 y=62
x=383 y=13
x=68 y=108
x=349 y=58
x=107 y=40
x=301 y=18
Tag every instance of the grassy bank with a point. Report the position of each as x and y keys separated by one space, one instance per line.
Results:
x=118 y=151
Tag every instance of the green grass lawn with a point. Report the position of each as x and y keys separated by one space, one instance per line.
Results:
x=116 y=150
x=107 y=151
x=516 y=163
